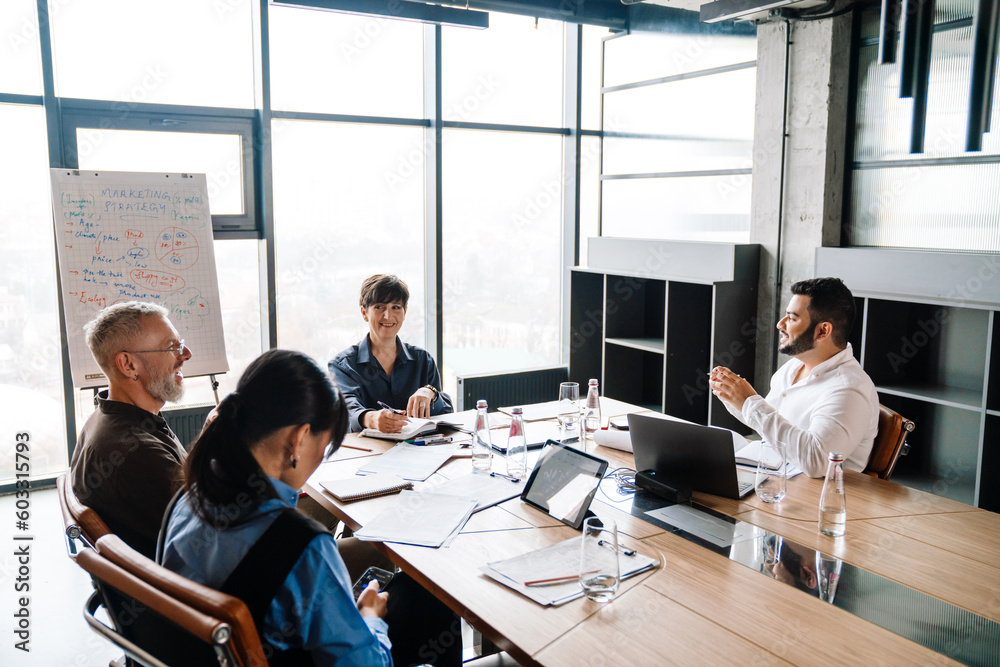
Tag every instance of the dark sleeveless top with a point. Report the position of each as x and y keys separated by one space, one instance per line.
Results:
x=260 y=575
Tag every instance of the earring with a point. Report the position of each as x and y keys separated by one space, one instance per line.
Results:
x=295 y=462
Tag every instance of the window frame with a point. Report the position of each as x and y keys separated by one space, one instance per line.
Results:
x=79 y=114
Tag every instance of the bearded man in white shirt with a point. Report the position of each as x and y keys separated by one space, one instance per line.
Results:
x=821 y=400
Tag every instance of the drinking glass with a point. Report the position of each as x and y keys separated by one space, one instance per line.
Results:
x=599 y=572
x=569 y=409
x=771 y=476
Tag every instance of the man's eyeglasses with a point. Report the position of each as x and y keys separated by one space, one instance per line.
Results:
x=178 y=350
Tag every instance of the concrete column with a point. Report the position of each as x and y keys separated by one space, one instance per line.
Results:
x=798 y=186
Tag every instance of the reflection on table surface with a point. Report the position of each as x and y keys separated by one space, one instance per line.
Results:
x=934 y=623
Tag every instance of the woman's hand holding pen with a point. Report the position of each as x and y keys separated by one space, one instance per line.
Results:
x=386 y=420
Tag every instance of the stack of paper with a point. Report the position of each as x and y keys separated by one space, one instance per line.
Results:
x=488 y=490
x=413 y=462
x=423 y=519
x=556 y=562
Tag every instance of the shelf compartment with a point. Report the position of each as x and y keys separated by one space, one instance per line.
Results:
x=689 y=334
x=944 y=448
x=857 y=331
x=634 y=308
x=957 y=397
x=586 y=335
x=634 y=376
x=989 y=493
x=654 y=345
x=931 y=352
x=993 y=394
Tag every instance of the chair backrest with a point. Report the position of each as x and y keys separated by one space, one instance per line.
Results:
x=151 y=626
x=82 y=522
x=244 y=640
x=892 y=431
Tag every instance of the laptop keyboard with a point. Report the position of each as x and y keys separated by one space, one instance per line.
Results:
x=745 y=481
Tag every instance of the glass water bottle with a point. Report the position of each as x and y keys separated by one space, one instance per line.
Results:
x=517 y=449
x=592 y=413
x=833 y=502
x=482 y=445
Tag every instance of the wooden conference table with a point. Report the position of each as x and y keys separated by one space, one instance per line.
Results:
x=700 y=607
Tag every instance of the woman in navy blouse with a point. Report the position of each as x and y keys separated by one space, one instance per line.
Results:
x=382 y=369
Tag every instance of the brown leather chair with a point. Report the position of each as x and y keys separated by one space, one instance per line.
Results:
x=889 y=442
x=242 y=640
x=153 y=628
x=82 y=523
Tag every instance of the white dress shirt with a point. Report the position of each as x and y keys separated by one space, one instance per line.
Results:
x=834 y=409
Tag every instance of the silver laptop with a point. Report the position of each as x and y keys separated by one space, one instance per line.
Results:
x=701 y=457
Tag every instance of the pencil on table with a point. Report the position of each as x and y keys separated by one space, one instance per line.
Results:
x=557 y=580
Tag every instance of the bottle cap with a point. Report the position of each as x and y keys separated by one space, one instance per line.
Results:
x=593 y=381
x=516 y=411
x=836 y=457
x=481 y=403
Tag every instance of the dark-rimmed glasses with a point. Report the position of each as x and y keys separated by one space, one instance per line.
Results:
x=179 y=350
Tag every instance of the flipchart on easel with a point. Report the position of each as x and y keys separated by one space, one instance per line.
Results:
x=124 y=236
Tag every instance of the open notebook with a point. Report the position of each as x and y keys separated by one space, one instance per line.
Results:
x=413 y=428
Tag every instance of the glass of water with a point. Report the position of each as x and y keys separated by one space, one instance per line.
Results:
x=599 y=572
x=569 y=409
x=771 y=475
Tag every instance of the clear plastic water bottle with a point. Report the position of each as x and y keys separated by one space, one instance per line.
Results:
x=592 y=412
x=517 y=449
x=833 y=502
x=482 y=445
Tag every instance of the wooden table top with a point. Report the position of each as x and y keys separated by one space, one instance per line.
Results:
x=699 y=606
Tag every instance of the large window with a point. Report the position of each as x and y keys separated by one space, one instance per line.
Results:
x=510 y=74
x=502 y=241
x=323 y=62
x=678 y=119
x=340 y=220
x=19 y=65
x=179 y=52
x=31 y=377
x=902 y=199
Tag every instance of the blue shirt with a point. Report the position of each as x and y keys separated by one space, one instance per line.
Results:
x=315 y=601
x=364 y=382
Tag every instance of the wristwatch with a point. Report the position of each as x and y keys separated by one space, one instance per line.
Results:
x=433 y=389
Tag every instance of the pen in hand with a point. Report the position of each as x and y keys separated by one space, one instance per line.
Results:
x=394 y=410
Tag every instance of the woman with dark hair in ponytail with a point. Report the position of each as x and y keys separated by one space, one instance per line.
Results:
x=236 y=528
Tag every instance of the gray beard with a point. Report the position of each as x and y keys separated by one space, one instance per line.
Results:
x=165 y=389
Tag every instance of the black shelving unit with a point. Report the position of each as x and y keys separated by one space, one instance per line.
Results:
x=928 y=338
x=668 y=312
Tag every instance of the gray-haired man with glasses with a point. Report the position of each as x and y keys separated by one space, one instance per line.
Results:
x=127 y=461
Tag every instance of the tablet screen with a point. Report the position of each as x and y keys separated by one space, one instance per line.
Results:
x=564 y=482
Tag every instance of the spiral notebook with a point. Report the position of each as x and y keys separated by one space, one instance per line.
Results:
x=355 y=488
